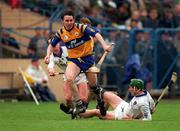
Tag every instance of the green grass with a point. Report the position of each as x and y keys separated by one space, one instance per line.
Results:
x=26 y=116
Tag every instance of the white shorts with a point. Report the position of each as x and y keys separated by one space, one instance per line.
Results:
x=81 y=78
x=120 y=110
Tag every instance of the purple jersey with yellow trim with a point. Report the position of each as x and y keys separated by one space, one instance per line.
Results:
x=78 y=40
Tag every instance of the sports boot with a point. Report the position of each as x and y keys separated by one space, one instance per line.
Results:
x=80 y=107
x=65 y=108
x=99 y=95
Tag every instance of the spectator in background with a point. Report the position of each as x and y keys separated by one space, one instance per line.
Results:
x=134 y=69
x=43 y=46
x=168 y=19
x=156 y=4
x=123 y=13
x=15 y=3
x=177 y=15
x=40 y=78
x=9 y=40
x=32 y=47
x=82 y=4
x=13 y=43
x=143 y=15
x=134 y=24
x=134 y=21
x=168 y=3
x=167 y=52
x=37 y=45
x=95 y=15
x=144 y=48
x=137 y=5
x=152 y=20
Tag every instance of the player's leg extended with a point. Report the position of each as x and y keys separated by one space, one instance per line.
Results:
x=68 y=95
x=83 y=92
x=68 y=99
x=95 y=112
x=112 y=99
x=92 y=79
x=69 y=90
x=71 y=73
x=80 y=99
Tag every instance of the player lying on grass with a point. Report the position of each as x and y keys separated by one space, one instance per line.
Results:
x=59 y=57
x=140 y=107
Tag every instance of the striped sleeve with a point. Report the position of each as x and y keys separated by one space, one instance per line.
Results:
x=55 y=40
x=90 y=31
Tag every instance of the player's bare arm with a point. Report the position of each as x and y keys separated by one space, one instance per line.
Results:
x=103 y=43
x=49 y=51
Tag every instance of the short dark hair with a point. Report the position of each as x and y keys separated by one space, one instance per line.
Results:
x=67 y=12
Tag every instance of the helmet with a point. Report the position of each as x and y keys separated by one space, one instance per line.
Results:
x=138 y=83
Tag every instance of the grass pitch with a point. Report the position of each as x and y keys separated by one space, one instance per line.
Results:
x=26 y=116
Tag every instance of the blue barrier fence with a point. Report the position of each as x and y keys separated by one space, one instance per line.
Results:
x=159 y=52
x=164 y=51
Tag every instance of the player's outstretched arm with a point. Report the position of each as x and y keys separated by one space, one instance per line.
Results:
x=103 y=43
x=47 y=57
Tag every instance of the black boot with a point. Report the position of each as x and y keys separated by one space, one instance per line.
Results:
x=99 y=95
x=69 y=110
x=73 y=113
x=65 y=108
x=101 y=107
x=80 y=106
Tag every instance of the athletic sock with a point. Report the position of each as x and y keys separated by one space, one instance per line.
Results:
x=80 y=107
x=85 y=104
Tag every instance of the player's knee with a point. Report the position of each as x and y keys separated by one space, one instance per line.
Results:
x=69 y=79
